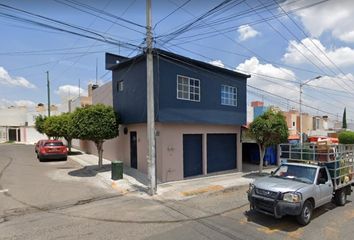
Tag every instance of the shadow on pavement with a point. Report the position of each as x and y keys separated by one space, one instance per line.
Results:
x=74 y=153
x=90 y=171
x=287 y=223
x=138 y=176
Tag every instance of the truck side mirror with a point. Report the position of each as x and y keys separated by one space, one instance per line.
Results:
x=321 y=181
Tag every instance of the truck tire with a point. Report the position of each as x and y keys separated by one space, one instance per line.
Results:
x=306 y=213
x=340 y=197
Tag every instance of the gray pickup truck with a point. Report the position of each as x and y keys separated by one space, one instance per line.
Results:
x=299 y=186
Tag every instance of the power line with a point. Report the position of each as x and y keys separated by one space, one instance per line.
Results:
x=93 y=36
x=178 y=8
x=187 y=26
x=93 y=9
x=297 y=49
x=64 y=2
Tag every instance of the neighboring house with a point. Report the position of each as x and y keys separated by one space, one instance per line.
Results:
x=199 y=111
x=82 y=101
x=258 y=108
x=17 y=123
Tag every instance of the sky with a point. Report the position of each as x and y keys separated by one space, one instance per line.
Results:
x=280 y=43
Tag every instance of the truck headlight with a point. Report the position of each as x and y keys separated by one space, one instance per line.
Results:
x=292 y=197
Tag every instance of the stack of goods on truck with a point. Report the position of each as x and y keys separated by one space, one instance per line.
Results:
x=338 y=159
x=325 y=149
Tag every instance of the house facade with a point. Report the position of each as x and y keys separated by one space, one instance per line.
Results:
x=199 y=111
x=17 y=123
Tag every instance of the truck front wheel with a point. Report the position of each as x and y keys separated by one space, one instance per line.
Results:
x=340 y=197
x=306 y=214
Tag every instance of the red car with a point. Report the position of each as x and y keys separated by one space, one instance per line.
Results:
x=51 y=149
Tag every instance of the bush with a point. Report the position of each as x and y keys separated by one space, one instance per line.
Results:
x=346 y=137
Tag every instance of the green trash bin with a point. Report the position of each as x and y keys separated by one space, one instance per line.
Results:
x=117 y=170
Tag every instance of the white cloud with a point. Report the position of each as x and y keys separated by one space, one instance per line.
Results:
x=6 y=79
x=313 y=51
x=70 y=91
x=24 y=103
x=246 y=32
x=4 y=103
x=270 y=78
x=217 y=63
x=335 y=17
x=338 y=83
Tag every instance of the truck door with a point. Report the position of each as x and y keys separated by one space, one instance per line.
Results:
x=325 y=189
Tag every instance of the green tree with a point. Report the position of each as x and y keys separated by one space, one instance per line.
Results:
x=268 y=129
x=96 y=123
x=346 y=137
x=39 y=123
x=60 y=126
x=52 y=126
x=67 y=130
x=344 y=121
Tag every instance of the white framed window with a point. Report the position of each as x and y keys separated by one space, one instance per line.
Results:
x=188 y=88
x=228 y=95
x=120 y=86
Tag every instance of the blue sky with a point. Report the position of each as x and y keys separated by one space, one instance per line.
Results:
x=279 y=43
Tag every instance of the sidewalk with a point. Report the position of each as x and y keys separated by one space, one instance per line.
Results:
x=135 y=182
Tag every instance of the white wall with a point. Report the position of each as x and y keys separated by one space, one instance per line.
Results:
x=103 y=94
x=13 y=116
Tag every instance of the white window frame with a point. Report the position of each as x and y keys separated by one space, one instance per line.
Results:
x=120 y=86
x=229 y=99
x=189 y=89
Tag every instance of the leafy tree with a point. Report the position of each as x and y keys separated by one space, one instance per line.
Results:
x=96 y=123
x=67 y=130
x=60 y=126
x=344 y=121
x=52 y=126
x=268 y=129
x=39 y=123
x=346 y=137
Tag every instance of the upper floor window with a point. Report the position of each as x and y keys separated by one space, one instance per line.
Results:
x=228 y=95
x=120 y=86
x=188 y=88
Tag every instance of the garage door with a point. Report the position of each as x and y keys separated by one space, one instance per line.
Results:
x=221 y=152
x=192 y=155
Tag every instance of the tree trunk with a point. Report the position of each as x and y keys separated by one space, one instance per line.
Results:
x=69 y=143
x=99 y=145
x=261 y=157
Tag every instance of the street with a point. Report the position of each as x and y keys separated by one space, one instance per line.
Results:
x=60 y=200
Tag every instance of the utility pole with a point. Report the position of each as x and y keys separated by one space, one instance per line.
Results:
x=48 y=93
x=96 y=70
x=150 y=103
x=300 y=108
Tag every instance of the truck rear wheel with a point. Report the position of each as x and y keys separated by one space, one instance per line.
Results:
x=340 y=197
x=306 y=214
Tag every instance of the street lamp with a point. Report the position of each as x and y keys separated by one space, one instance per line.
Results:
x=300 y=110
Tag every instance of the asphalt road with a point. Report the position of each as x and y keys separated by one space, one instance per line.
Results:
x=51 y=201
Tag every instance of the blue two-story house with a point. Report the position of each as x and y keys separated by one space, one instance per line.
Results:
x=199 y=111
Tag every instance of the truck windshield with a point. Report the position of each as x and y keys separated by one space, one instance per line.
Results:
x=296 y=173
